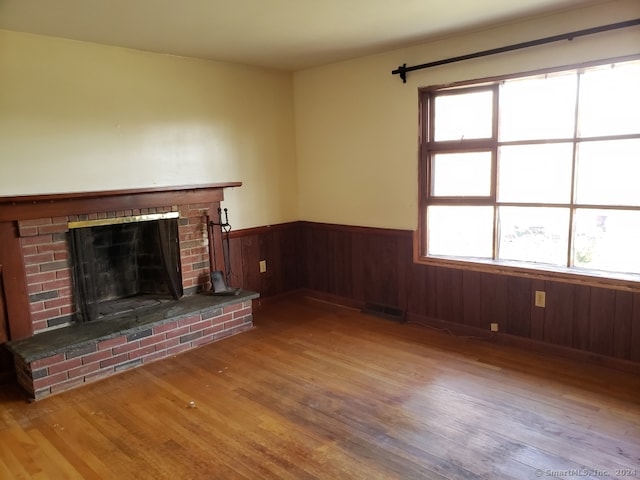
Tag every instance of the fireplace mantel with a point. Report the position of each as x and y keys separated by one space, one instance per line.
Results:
x=26 y=207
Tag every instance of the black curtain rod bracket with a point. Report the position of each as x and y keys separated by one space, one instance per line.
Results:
x=402 y=70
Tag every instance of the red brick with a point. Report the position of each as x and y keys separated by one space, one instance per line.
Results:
x=65 y=366
x=194 y=327
x=28 y=251
x=84 y=370
x=203 y=340
x=233 y=308
x=67 y=385
x=142 y=352
x=57 y=283
x=155 y=356
x=52 y=247
x=215 y=328
x=112 y=342
x=233 y=323
x=39 y=326
x=61 y=255
x=37 y=240
x=222 y=318
x=189 y=320
x=45 y=362
x=165 y=327
x=179 y=348
x=242 y=313
x=41 y=278
x=49 y=380
x=58 y=302
x=191 y=259
x=167 y=344
x=36 y=307
x=55 y=228
x=31 y=269
x=114 y=360
x=152 y=340
x=28 y=232
x=66 y=273
x=35 y=288
x=177 y=332
x=38 y=258
x=96 y=356
x=45 y=315
x=35 y=221
x=105 y=372
x=126 y=348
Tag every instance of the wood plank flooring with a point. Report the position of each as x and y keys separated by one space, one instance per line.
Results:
x=317 y=391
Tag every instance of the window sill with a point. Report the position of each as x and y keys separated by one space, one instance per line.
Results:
x=615 y=281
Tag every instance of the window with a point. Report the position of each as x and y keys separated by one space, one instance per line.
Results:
x=536 y=171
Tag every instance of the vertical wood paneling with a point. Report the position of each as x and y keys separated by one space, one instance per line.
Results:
x=236 y=255
x=341 y=264
x=471 y=298
x=4 y=327
x=558 y=313
x=444 y=294
x=270 y=251
x=290 y=255
x=519 y=306
x=404 y=251
x=416 y=290
x=602 y=310
x=381 y=280
x=622 y=325
x=317 y=243
x=430 y=293
x=250 y=263
x=357 y=265
x=635 y=329
x=581 y=317
x=537 y=313
x=493 y=301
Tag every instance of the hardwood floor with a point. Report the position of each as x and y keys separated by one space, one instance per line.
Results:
x=319 y=391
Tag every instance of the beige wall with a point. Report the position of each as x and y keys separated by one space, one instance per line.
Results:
x=76 y=116
x=357 y=125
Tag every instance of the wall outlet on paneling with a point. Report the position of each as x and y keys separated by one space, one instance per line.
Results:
x=541 y=299
x=494 y=327
x=263 y=266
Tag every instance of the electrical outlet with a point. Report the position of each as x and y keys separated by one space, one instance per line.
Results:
x=263 y=266
x=541 y=299
x=494 y=327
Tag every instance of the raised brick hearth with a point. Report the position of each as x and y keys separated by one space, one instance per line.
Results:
x=66 y=358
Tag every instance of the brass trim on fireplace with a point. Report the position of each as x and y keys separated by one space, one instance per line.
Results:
x=100 y=222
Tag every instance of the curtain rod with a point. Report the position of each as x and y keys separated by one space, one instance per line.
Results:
x=402 y=70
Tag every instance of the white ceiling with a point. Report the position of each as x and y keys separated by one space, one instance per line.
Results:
x=284 y=34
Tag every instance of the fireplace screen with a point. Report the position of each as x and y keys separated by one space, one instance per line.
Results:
x=124 y=266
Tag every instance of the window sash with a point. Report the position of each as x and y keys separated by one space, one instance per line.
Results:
x=429 y=149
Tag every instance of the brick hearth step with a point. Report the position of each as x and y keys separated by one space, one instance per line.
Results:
x=57 y=360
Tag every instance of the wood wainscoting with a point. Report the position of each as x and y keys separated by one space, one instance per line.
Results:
x=360 y=267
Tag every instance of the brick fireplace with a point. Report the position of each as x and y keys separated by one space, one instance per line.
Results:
x=57 y=345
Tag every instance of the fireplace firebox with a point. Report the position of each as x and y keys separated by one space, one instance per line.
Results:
x=124 y=264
